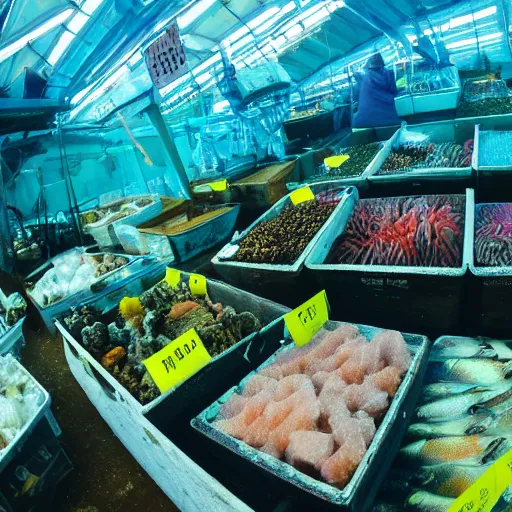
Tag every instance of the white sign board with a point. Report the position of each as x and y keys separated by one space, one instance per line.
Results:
x=166 y=59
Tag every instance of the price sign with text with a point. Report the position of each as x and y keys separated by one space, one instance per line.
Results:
x=301 y=195
x=305 y=321
x=178 y=361
x=197 y=284
x=166 y=59
x=336 y=161
x=486 y=491
x=172 y=277
x=219 y=186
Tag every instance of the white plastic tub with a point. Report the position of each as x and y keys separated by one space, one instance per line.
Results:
x=8 y=453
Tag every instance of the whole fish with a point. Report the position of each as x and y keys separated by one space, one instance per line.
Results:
x=439 y=390
x=502 y=347
x=458 y=404
x=461 y=348
x=464 y=449
x=468 y=424
x=470 y=371
x=449 y=480
x=492 y=425
x=422 y=501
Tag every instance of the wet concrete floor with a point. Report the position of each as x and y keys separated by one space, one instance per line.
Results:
x=105 y=477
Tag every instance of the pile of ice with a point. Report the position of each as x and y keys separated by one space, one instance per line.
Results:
x=317 y=406
x=20 y=400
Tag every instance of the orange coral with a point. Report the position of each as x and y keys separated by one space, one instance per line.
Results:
x=113 y=357
x=178 y=310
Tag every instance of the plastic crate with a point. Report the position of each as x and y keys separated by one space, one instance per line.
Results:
x=259 y=275
x=361 y=490
x=391 y=296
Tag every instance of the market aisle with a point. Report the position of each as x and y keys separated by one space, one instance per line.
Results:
x=106 y=478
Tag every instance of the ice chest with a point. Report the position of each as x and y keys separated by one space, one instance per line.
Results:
x=407 y=298
x=305 y=492
x=198 y=236
x=159 y=435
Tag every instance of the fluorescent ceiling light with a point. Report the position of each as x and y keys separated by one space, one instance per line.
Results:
x=60 y=47
x=194 y=12
x=77 y=22
x=474 y=40
x=89 y=6
x=13 y=48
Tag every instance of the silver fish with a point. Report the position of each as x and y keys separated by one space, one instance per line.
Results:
x=422 y=501
x=449 y=480
x=461 y=348
x=456 y=405
x=470 y=371
x=439 y=390
x=467 y=424
x=502 y=347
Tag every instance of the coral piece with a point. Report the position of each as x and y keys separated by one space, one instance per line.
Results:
x=182 y=308
x=79 y=319
x=131 y=308
x=96 y=340
x=113 y=357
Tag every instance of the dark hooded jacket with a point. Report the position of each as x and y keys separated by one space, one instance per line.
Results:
x=377 y=96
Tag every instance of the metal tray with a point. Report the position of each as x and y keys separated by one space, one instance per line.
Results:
x=439 y=132
x=261 y=273
x=411 y=104
x=316 y=259
x=360 y=491
x=479 y=148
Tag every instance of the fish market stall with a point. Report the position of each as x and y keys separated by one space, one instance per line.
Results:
x=401 y=260
x=77 y=275
x=106 y=361
x=274 y=248
x=13 y=310
x=461 y=427
x=428 y=158
x=325 y=420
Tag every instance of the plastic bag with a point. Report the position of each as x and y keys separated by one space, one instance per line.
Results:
x=131 y=240
x=83 y=278
x=67 y=263
x=16 y=308
x=408 y=138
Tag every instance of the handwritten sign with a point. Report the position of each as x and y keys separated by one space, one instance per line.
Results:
x=172 y=277
x=301 y=195
x=166 y=59
x=197 y=284
x=486 y=491
x=305 y=321
x=336 y=161
x=178 y=361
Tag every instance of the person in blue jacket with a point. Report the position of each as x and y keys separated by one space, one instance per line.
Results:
x=376 y=96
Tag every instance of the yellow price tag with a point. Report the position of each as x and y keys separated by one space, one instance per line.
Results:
x=486 y=491
x=172 y=277
x=219 y=186
x=301 y=195
x=178 y=361
x=336 y=161
x=197 y=284
x=305 y=321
